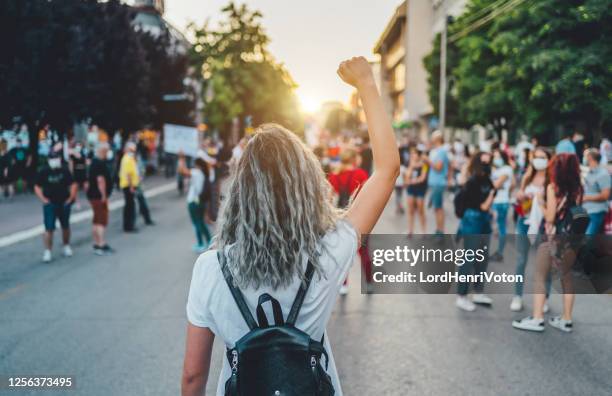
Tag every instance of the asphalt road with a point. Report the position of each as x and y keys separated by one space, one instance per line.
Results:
x=117 y=325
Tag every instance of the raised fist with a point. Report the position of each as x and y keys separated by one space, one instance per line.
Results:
x=356 y=72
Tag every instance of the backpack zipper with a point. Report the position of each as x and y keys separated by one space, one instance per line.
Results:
x=234 y=361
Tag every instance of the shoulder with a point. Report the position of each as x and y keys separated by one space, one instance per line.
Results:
x=361 y=174
x=206 y=267
x=343 y=238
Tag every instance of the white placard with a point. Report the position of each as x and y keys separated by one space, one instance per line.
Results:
x=181 y=138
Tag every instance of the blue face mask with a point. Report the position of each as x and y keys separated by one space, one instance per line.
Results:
x=498 y=162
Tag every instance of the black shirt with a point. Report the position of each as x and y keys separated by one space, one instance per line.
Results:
x=477 y=191
x=19 y=156
x=98 y=168
x=366 y=160
x=55 y=183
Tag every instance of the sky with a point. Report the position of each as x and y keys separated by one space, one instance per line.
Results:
x=310 y=37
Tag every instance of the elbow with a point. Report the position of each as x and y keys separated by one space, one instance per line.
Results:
x=192 y=384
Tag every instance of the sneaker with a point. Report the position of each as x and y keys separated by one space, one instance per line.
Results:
x=559 y=323
x=198 y=248
x=107 y=248
x=46 y=258
x=99 y=251
x=546 y=308
x=465 y=304
x=482 y=299
x=529 y=323
x=497 y=257
x=67 y=251
x=516 y=304
x=343 y=290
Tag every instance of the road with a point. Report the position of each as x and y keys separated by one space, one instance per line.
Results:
x=117 y=324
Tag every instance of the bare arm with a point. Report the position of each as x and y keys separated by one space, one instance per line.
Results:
x=371 y=200
x=182 y=167
x=102 y=187
x=39 y=193
x=602 y=196
x=197 y=360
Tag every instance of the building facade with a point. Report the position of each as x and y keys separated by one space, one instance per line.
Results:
x=405 y=41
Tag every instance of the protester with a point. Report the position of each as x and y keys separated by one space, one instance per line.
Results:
x=78 y=167
x=399 y=191
x=566 y=145
x=277 y=219
x=529 y=197
x=475 y=227
x=5 y=162
x=100 y=187
x=199 y=191
x=57 y=190
x=345 y=184
x=503 y=180
x=128 y=182
x=596 y=191
x=605 y=149
x=416 y=181
x=562 y=193
x=437 y=179
x=20 y=163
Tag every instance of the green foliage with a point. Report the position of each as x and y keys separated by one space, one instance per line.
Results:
x=543 y=65
x=68 y=60
x=242 y=76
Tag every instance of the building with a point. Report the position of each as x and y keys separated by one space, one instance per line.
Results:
x=405 y=41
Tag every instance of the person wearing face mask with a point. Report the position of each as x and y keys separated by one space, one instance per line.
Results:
x=596 y=191
x=57 y=190
x=503 y=180
x=531 y=190
x=475 y=227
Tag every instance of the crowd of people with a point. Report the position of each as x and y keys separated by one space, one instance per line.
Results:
x=488 y=185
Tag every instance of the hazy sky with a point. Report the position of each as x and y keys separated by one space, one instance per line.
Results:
x=311 y=37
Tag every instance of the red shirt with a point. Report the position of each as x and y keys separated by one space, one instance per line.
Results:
x=359 y=176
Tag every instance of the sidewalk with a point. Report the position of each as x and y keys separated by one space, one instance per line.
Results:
x=24 y=211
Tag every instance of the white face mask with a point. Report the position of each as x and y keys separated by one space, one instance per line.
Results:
x=55 y=163
x=498 y=162
x=539 y=163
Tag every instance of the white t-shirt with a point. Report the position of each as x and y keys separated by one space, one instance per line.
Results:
x=503 y=193
x=210 y=303
x=196 y=184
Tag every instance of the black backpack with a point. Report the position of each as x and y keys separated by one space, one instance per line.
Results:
x=459 y=202
x=277 y=359
x=344 y=195
x=574 y=221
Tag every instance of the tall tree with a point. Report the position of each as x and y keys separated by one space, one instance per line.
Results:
x=243 y=77
x=540 y=66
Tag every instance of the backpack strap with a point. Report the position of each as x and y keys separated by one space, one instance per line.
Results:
x=299 y=298
x=236 y=293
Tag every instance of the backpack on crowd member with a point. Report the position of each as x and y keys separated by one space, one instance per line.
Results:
x=573 y=220
x=277 y=359
x=344 y=195
x=459 y=202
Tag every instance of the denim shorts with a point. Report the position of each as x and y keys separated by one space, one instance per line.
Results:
x=52 y=212
x=436 y=197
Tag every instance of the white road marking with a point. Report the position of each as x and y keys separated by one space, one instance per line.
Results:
x=38 y=230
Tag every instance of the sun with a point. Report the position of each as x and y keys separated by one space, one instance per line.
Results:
x=308 y=103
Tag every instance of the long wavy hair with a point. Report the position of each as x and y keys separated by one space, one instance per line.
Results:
x=277 y=209
x=564 y=172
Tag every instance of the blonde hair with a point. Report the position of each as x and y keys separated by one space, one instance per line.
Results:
x=277 y=210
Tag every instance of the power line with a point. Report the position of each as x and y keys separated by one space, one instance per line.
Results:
x=471 y=18
x=503 y=9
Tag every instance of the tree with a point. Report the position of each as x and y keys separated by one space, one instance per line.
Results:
x=539 y=66
x=243 y=76
x=65 y=61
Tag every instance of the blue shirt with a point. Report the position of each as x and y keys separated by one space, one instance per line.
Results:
x=565 y=146
x=438 y=178
x=595 y=181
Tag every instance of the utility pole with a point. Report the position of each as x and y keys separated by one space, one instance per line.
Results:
x=442 y=103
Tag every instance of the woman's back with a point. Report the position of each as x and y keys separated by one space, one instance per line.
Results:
x=211 y=304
